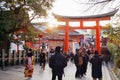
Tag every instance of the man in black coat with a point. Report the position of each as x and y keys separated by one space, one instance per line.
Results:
x=57 y=63
x=96 y=62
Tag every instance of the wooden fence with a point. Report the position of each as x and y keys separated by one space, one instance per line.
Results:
x=14 y=58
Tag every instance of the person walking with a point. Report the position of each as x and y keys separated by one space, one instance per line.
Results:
x=51 y=52
x=57 y=63
x=72 y=56
x=29 y=64
x=85 y=62
x=96 y=62
x=78 y=60
x=42 y=59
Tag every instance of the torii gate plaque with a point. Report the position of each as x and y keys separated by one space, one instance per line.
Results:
x=81 y=20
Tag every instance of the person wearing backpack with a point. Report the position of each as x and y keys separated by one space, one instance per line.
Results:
x=57 y=63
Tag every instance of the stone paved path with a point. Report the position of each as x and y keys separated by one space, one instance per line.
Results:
x=17 y=73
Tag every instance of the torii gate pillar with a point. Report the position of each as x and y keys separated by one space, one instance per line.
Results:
x=66 y=39
x=98 y=37
x=97 y=27
x=97 y=40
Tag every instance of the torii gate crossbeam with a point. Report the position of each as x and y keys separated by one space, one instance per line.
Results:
x=81 y=20
x=67 y=28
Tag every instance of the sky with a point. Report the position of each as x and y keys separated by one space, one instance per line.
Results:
x=80 y=8
x=83 y=7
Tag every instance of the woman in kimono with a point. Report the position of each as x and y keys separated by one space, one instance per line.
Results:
x=29 y=64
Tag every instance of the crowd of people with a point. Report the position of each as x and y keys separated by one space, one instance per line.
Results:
x=81 y=59
x=58 y=61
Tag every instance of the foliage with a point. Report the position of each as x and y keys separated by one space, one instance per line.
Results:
x=115 y=57
x=118 y=62
x=14 y=14
x=113 y=34
x=112 y=48
x=10 y=23
x=117 y=66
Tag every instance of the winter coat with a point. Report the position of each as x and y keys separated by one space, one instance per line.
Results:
x=96 y=62
x=42 y=57
x=57 y=62
x=78 y=60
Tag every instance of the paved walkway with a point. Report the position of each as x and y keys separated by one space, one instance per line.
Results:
x=17 y=73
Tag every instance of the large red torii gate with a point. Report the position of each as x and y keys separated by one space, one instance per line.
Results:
x=81 y=20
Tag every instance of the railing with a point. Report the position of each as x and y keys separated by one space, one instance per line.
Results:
x=14 y=58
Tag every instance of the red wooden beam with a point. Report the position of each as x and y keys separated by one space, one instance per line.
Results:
x=85 y=27
x=83 y=19
x=67 y=28
x=73 y=28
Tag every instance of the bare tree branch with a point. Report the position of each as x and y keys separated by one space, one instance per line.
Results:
x=91 y=1
x=33 y=17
